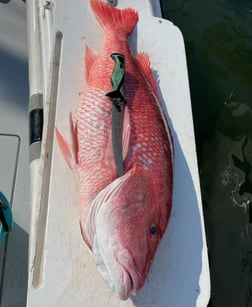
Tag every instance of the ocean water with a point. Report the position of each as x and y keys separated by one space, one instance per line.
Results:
x=218 y=41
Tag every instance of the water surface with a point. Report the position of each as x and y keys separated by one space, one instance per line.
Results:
x=218 y=41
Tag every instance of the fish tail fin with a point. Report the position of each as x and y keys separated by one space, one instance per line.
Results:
x=109 y=16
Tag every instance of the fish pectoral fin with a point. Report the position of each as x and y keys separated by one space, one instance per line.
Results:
x=65 y=149
x=143 y=61
x=74 y=132
x=90 y=58
x=108 y=163
x=125 y=132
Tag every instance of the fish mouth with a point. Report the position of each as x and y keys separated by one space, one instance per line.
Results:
x=132 y=280
x=126 y=281
x=118 y=274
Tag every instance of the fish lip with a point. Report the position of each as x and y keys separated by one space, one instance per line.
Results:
x=122 y=289
x=132 y=279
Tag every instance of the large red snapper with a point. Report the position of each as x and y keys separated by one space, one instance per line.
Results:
x=122 y=218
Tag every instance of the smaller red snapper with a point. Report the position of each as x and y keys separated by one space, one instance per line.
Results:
x=122 y=218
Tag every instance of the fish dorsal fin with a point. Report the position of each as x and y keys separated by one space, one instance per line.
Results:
x=90 y=58
x=143 y=61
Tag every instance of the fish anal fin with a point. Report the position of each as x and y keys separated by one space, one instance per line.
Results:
x=90 y=58
x=65 y=148
x=143 y=61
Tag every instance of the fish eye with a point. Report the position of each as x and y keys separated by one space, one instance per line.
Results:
x=153 y=229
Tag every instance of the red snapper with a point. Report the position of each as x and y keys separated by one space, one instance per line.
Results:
x=122 y=218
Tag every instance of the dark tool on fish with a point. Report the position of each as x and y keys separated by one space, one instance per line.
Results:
x=5 y=216
x=118 y=102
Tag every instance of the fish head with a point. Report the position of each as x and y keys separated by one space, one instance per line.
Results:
x=130 y=220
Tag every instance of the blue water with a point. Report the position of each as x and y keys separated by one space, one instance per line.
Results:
x=218 y=41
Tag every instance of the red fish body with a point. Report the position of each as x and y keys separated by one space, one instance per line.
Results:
x=122 y=218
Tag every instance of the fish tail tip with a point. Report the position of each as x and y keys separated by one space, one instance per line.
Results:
x=110 y=16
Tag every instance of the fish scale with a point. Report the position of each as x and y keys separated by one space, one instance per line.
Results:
x=95 y=109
